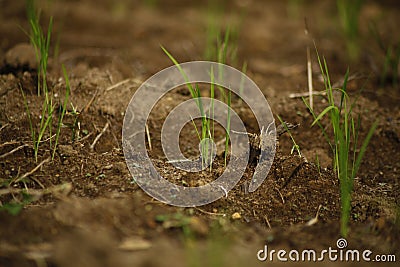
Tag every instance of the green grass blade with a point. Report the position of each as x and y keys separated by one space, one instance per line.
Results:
x=364 y=148
x=344 y=88
x=64 y=109
x=225 y=45
x=195 y=92
x=324 y=133
x=195 y=127
x=327 y=109
x=295 y=145
x=185 y=77
x=212 y=96
x=355 y=129
x=228 y=127
x=241 y=87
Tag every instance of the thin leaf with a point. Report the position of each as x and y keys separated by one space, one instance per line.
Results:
x=364 y=147
x=327 y=109
x=64 y=109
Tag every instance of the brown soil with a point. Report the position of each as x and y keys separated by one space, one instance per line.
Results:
x=86 y=208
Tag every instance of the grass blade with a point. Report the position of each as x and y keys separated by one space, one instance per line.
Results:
x=64 y=109
x=364 y=148
x=326 y=110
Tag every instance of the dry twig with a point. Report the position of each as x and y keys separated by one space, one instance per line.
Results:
x=117 y=84
x=315 y=219
x=4 y=126
x=13 y=151
x=57 y=190
x=267 y=221
x=32 y=171
x=99 y=135
x=90 y=101
x=211 y=213
x=299 y=95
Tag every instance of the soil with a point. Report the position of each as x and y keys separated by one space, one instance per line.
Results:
x=83 y=208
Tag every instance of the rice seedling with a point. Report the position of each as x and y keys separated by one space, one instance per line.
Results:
x=391 y=65
x=295 y=145
x=213 y=29
x=221 y=44
x=391 y=58
x=46 y=119
x=222 y=48
x=228 y=128
x=196 y=94
x=207 y=122
x=349 y=13
x=41 y=44
x=63 y=111
x=344 y=142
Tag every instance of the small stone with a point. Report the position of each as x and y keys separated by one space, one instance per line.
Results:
x=134 y=244
x=236 y=216
x=21 y=55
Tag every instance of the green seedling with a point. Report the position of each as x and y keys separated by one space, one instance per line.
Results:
x=213 y=30
x=228 y=128
x=241 y=88
x=295 y=145
x=391 y=58
x=195 y=93
x=63 y=111
x=344 y=142
x=349 y=13
x=46 y=119
x=41 y=44
x=227 y=46
x=221 y=45
x=207 y=125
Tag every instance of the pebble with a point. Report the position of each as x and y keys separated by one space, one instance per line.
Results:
x=236 y=216
x=22 y=54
